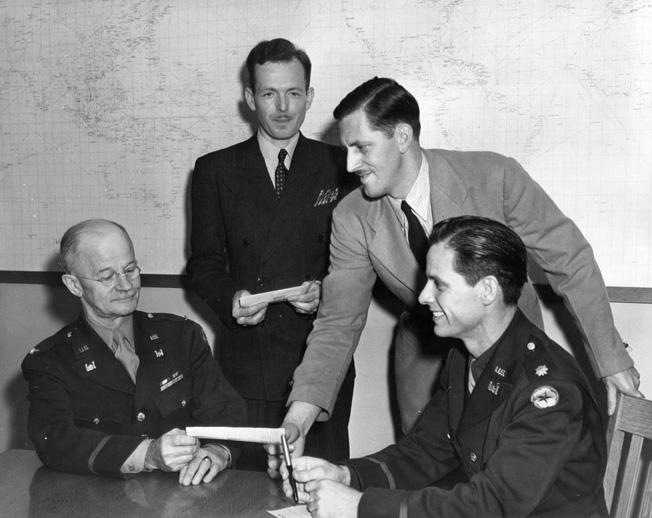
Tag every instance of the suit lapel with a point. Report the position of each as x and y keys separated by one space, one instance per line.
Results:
x=96 y=362
x=498 y=377
x=155 y=355
x=390 y=248
x=447 y=192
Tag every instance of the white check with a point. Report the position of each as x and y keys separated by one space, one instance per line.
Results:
x=231 y=433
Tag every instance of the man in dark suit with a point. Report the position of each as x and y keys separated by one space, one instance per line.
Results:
x=111 y=393
x=261 y=214
x=512 y=410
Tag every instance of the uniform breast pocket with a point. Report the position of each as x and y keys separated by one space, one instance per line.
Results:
x=174 y=398
x=99 y=411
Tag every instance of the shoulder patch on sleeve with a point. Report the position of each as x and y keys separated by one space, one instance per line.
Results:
x=544 y=396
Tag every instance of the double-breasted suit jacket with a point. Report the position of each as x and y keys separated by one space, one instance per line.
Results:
x=86 y=415
x=529 y=440
x=244 y=237
x=367 y=243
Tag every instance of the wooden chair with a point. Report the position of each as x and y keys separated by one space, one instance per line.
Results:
x=627 y=487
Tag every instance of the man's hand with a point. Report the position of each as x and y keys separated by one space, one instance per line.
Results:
x=328 y=499
x=297 y=423
x=308 y=301
x=249 y=316
x=626 y=381
x=171 y=451
x=205 y=465
x=310 y=469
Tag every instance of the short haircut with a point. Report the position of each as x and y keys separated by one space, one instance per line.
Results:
x=386 y=104
x=485 y=247
x=70 y=241
x=278 y=50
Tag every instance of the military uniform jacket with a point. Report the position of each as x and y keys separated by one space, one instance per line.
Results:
x=529 y=439
x=244 y=237
x=87 y=416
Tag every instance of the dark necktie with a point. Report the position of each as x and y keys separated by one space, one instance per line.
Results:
x=416 y=235
x=125 y=354
x=281 y=172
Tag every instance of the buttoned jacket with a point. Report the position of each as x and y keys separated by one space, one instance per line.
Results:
x=245 y=238
x=529 y=439
x=87 y=416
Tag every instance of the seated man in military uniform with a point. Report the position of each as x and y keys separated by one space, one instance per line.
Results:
x=111 y=393
x=513 y=412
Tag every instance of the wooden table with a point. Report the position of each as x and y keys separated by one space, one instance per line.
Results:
x=27 y=488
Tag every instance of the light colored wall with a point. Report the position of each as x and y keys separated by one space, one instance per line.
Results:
x=29 y=313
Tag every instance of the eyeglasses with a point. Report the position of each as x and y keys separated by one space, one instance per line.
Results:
x=131 y=273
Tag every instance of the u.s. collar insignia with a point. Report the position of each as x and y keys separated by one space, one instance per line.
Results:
x=544 y=397
x=541 y=370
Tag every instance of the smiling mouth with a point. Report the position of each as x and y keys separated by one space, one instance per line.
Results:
x=364 y=174
x=437 y=314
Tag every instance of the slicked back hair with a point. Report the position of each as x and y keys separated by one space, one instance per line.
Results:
x=483 y=247
x=385 y=103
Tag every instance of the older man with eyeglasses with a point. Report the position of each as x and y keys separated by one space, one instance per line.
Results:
x=111 y=393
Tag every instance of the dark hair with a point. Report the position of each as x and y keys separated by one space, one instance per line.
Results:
x=386 y=104
x=71 y=239
x=276 y=51
x=484 y=247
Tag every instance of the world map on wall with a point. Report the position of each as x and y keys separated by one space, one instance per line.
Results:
x=105 y=106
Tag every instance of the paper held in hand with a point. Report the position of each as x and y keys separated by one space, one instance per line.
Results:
x=271 y=296
x=230 y=433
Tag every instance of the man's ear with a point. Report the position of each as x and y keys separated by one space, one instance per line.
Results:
x=404 y=135
x=249 y=97
x=310 y=95
x=73 y=284
x=489 y=289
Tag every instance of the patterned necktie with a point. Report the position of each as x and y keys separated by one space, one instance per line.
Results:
x=281 y=172
x=126 y=354
x=416 y=236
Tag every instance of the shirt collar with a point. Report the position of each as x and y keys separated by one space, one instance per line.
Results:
x=269 y=149
x=419 y=196
x=106 y=334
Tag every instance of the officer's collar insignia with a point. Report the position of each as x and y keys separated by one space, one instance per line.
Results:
x=500 y=371
x=541 y=370
x=83 y=348
x=90 y=366
x=544 y=397
x=159 y=353
x=493 y=388
x=153 y=337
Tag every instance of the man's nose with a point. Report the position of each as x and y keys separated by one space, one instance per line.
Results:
x=352 y=161
x=282 y=103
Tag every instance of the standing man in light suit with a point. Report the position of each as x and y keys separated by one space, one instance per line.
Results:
x=261 y=217
x=373 y=232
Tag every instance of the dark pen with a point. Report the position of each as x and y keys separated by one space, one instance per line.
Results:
x=288 y=464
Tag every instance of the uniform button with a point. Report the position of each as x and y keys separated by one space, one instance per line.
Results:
x=473 y=457
x=183 y=403
x=531 y=346
x=96 y=420
x=140 y=416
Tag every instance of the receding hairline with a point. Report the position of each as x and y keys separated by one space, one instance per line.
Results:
x=72 y=239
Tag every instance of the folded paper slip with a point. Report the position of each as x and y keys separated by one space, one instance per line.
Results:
x=231 y=433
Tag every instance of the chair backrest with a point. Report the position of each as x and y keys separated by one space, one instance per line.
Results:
x=627 y=488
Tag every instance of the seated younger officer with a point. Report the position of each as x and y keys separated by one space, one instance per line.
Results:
x=111 y=393
x=512 y=408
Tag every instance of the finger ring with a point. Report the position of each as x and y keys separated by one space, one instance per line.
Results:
x=208 y=459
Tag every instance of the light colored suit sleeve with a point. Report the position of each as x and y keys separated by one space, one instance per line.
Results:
x=560 y=249
x=346 y=295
